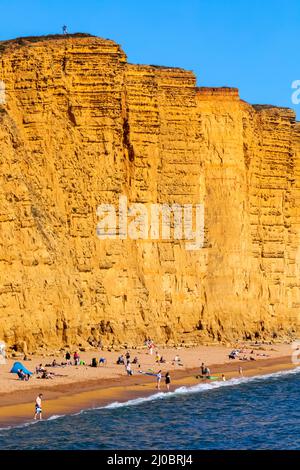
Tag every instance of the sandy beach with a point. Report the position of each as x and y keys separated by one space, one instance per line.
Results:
x=81 y=387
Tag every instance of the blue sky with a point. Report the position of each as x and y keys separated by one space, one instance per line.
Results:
x=253 y=45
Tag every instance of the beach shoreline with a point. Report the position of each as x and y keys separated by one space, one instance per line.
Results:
x=17 y=406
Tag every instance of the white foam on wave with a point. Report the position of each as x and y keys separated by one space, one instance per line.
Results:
x=51 y=418
x=199 y=388
x=31 y=423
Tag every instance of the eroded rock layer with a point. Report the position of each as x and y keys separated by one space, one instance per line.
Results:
x=81 y=127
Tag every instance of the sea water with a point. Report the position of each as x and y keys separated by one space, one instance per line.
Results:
x=246 y=413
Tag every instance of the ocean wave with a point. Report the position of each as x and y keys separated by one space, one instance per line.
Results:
x=51 y=418
x=184 y=390
x=201 y=387
x=31 y=423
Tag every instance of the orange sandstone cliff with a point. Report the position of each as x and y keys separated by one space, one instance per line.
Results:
x=80 y=127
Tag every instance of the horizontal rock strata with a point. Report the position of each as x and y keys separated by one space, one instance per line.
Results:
x=80 y=127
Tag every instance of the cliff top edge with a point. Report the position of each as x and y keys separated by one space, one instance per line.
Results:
x=28 y=40
x=202 y=92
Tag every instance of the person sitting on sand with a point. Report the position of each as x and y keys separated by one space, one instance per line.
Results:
x=162 y=360
x=177 y=361
x=157 y=357
x=22 y=376
x=39 y=369
x=46 y=375
x=54 y=363
x=135 y=360
x=102 y=360
x=234 y=354
x=120 y=360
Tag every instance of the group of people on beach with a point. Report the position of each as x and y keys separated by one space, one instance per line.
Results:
x=205 y=371
x=122 y=360
x=242 y=355
x=22 y=375
x=167 y=380
x=125 y=360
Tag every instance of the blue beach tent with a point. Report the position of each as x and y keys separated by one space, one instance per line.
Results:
x=17 y=366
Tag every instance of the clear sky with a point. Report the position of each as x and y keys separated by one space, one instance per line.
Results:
x=251 y=44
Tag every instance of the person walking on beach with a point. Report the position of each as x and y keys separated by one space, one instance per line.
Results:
x=150 y=346
x=168 y=380
x=76 y=358
x=38 y=406
x=128 y=368
x=158 y=380
x=68 y=358
x=203 y=368
x=241 y=371
x=223 y=378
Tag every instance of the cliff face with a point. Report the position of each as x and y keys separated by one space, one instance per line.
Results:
x=80 y=127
